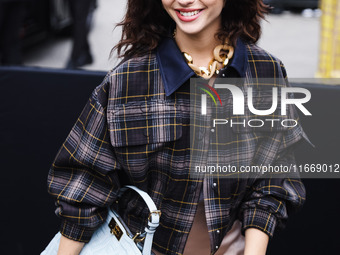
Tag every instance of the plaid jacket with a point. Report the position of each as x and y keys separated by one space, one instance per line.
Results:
x=135 y=130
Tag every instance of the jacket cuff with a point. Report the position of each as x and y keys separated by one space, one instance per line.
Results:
x=260 y=219
x=76 y=232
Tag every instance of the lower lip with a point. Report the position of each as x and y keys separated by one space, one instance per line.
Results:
x=188 y=18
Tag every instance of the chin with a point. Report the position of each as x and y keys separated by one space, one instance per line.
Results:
x=190 y=30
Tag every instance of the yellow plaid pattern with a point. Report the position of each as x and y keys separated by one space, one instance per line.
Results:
x=130 y=132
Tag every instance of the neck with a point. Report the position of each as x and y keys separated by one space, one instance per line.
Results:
x=199 y=46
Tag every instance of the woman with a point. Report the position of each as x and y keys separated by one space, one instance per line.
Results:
x=135 y=130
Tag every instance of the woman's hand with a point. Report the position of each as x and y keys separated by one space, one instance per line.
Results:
x=256 y=242
x=69 y=247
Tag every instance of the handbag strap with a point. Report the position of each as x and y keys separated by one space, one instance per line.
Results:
x=153 y=220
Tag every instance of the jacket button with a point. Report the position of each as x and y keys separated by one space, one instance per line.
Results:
x=214 y=184
x=216 y=246
x=217 y=231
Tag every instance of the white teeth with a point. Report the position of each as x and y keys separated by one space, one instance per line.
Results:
x=189 y=14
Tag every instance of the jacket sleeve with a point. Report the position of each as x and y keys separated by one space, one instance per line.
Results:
x=269 y=201
x=83 y=178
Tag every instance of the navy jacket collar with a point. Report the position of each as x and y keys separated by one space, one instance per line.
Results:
x=175 y=71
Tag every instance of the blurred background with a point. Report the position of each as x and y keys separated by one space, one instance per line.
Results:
x=292 y=32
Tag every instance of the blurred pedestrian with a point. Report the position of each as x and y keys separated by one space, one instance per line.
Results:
x=81 y=11
x=11 y=16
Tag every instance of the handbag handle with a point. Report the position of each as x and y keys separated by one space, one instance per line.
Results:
x=153 y=220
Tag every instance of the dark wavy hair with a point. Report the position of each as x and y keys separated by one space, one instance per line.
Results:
x=146 y=22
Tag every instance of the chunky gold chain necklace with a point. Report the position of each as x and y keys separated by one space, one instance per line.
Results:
x=222 y=54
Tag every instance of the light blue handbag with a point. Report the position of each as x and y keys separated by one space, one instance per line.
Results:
x=114 y=237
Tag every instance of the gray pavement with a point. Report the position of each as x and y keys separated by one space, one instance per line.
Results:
x=295 y=40
x=291 y=37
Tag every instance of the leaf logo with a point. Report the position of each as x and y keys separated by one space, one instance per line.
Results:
x=210 y=91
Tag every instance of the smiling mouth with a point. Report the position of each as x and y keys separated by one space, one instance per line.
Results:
x=189 y=14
